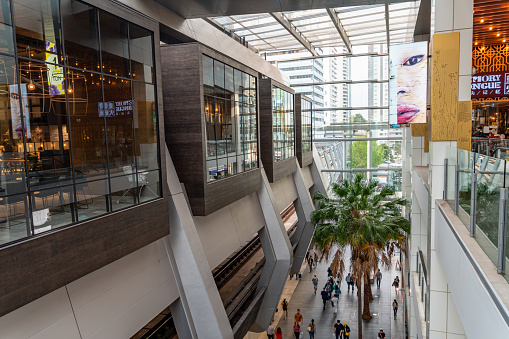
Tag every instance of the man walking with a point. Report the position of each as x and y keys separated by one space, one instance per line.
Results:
x=338 y=329
x=381 y=334
x=315 y=282
x=325 y=296
x=348 y=280
x=395 y=308
x=316 y=259
x=298 y=317
x=378 y=276
x=284 y=305
x=310 y=263
x=270 y=332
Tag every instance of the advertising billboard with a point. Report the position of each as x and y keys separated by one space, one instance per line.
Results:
x=490 y=85
x=408 y=77
x=16 y=107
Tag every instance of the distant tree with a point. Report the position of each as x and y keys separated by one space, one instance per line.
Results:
x=358 y=154
x=358 y=118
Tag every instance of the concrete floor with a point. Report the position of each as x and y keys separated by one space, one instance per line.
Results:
x=300 y=295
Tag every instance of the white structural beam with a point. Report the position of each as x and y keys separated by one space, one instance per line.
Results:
x=387 y=24
x=341 y=30
x=283 y=21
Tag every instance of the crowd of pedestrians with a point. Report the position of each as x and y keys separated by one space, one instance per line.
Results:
x=330 y=294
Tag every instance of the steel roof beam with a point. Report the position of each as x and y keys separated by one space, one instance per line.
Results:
x=283 y=21
x=342 y=33
x=387 y=25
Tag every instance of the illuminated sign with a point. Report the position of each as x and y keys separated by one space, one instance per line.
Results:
x=408 y=76
x=17 y=126
x=55 y=73
x=490 y=85
x=115 y=108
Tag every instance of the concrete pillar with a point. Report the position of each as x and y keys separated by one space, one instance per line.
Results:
x=278 y=256
x=200 y=301
x=304 y=231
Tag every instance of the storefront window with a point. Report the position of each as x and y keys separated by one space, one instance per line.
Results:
x=230 y=119
x=79 y=134
x=283 y=124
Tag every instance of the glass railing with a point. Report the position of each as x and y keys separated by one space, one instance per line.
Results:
x=476 y=187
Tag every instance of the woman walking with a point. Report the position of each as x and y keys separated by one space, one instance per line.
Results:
x=296 y=330
x=279 y=333
x=312 y=329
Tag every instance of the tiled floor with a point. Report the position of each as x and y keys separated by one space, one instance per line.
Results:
x=312 y=308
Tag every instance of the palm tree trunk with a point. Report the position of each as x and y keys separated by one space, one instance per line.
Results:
x=366 y=315
x=369 y=292
x=359 y=308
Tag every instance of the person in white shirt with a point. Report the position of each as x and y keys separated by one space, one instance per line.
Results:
x=270 y=332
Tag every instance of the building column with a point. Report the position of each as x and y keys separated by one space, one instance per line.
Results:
x=450 y=84
x=278 y=256
x=200 y=304
x=304 y=232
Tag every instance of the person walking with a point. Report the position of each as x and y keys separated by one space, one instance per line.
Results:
x=316 y=259
x=296 y=330
x=310 y=263
x=378 y=276
x=284 y=306
x=325 y=296
x=298 y=317
x=346 y=333
x=279 y=333
x=338 y=329
x=270 y=332
x=315 y=282
x=328 y=288
x=335 y=304
x=381 y=334
x=395 y=308
x=395 y=283
x=348 y=280
x=312 y=329
x=329 y=272
x=307 y=255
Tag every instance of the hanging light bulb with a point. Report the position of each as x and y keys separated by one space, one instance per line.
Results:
x=31 y=86
x=70 y=90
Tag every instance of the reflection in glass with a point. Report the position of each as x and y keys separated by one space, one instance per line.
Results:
x=119 y=123
x=6 y=41
x=230 y=123
x=38 y=30
x=114 y=45
x=145 y=124
x=140 y=49
x=282 y=124
x=81 y=35
x=14 y=222
x=306 y=125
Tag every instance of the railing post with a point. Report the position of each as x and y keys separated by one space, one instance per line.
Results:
x=502 y=230
x=446 y=163
x=473 y=202
x=457 y=189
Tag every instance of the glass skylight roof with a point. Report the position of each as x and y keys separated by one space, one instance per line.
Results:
x=364 y=25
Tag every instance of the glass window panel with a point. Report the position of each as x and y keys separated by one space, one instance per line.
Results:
x=87 y=114
x=208 y=75
x=114 y=45
x=218 y=79
x=125 y=189
x=14 y=218
x=140 y=49
x=6 y=41
x=119 y=124
x=38 y=29
x=238 y=85
x=81 y=35
x=145 y=124
x=12 y=161
x=53 y=207
x=229 y=88
x=148 y=183
x=92 y=199
x=47 y=131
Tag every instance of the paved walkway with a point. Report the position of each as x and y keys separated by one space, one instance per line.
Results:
x=300 y=295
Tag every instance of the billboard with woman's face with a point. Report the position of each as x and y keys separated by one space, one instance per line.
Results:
x=408 y=75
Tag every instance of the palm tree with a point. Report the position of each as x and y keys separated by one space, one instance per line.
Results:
x=363 y=217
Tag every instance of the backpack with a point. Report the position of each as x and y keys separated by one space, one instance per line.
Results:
x=285 y=304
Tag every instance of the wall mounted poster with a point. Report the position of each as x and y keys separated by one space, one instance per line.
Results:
x=408 y=76
x=17 y=127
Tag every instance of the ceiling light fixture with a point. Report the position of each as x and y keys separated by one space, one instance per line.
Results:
x=491 y=28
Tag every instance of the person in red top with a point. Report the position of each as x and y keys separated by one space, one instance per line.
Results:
x=279 y=333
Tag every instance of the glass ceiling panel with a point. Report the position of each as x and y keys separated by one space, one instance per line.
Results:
x=364 y=25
